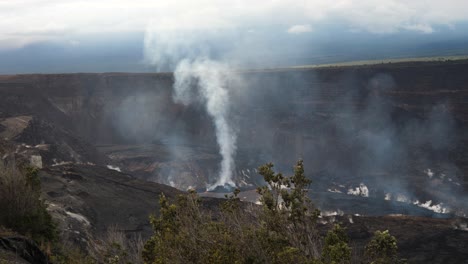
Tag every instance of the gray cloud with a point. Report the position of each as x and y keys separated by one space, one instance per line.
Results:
x=47 y=18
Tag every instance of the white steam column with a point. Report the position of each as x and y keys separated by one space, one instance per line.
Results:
x=198 y=79
x=208 y=80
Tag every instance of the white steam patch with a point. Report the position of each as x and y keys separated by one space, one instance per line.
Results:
x=60 y=163
x=361 y=190
x=78 y=217
x=438 y=208
x=461 y=226
x=110 y=167
x=397 y=197
x=331 y=213
x=402 y=198
x=429 y=173
x=388 y=196
x=334 y=190
x=322 y=221
x=208 y=80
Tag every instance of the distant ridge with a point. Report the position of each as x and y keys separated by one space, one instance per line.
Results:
x=365 y=63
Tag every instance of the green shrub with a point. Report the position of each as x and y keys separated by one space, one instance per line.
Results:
x=22 y=209
x=282 y=230
x=336 y=249
x=71 y=255
x=382 y=249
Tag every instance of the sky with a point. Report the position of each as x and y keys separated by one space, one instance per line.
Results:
x=105 y=35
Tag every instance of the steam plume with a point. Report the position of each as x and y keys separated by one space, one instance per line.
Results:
x=198 y=79
x=208 y=80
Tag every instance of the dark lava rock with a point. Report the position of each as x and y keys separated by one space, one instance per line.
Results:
x=223 y=189
x=63 y=145
x=420 y=239
x=18 y=249
x=87 y=199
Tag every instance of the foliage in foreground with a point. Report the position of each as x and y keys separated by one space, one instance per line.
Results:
x=383 y=248
x=22 y=209
x=115 y=247
x=282 y=230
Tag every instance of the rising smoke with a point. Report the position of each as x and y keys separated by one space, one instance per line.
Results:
x=198 y=80
x=210 y=79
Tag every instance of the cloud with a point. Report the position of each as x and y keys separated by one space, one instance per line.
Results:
x=49 y=19
x=299 y=29
x=420 y=27
x=74 y=43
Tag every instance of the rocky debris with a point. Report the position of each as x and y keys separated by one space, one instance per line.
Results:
x=86 y=200
x=14 y=126
x=56 y=144
x=18 y=249
x=44 y=144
